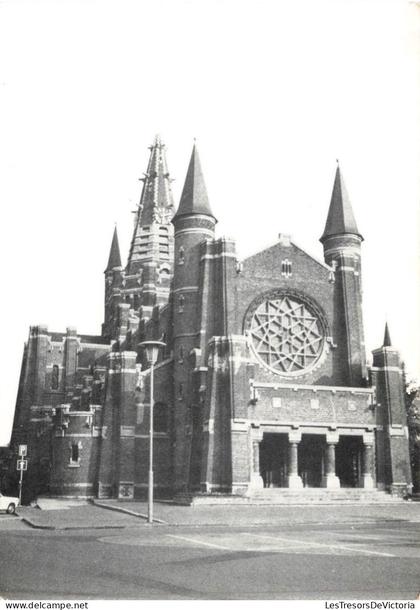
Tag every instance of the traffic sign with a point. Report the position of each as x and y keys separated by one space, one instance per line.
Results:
x=22 y=465
x=23 y=449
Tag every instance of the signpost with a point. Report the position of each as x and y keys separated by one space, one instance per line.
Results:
x=22 y=465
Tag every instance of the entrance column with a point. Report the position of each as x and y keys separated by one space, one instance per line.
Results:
x=294 y=480
x=330 y=479
x=256 y=478
x=368 y=461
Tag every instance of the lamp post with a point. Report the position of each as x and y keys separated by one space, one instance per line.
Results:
x=152 y=351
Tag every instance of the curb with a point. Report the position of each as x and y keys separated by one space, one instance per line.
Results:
x=127 y=511
x=39 y=526
x=201 y=525
x=286 y=524
x=35 y=526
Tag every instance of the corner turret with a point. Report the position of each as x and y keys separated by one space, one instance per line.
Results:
x=393 y=459
x=113 y=283
x=342 y=240
x=194 y=224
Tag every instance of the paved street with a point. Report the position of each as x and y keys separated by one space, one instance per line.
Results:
x=128 y=559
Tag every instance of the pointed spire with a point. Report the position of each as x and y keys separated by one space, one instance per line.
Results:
x=340 y=218
x=156 y=207
x=114 y=254
x=194 y=198
x=387 y=337
x=156 y=201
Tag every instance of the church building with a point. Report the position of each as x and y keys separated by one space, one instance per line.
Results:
x=262 y=385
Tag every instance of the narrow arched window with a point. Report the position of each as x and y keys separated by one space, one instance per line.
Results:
x=55 y=375
x=181 y=354
x=286 y=268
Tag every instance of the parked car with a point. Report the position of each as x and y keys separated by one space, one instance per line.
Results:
x=8 y=503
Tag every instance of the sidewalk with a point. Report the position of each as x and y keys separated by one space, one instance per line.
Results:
x=249 y=515
x=82 y=516
x=116 y=515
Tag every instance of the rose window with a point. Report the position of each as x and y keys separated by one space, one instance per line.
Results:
x=286 y=334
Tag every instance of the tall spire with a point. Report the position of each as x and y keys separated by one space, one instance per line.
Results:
x=194 y=198
x=156 y=205
x=340 y=218
x=114 y=254
x=156 y=202
x=387 y=337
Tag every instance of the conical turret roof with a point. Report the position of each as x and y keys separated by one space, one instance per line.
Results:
x=387 y=337
x=114 y=259
x=194 y=198
x=340 y=218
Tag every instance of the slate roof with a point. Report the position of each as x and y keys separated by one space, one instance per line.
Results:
x=387 y=337
x=340 y=218
x=194 y=198
x=114 y=254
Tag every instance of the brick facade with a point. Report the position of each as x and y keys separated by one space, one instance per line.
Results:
x=263 y=380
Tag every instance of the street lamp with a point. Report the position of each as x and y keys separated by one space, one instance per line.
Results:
x=152 y=351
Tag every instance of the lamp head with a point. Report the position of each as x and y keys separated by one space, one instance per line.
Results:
x=151 y=349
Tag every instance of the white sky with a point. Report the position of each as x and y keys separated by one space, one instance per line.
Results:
x=274 y=91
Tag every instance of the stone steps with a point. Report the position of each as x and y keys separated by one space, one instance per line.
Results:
x=309 y=496
x=284 y=496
